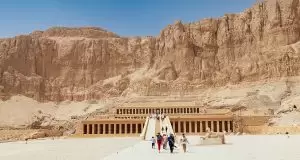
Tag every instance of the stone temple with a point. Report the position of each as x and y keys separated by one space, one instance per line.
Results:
x=139 y=119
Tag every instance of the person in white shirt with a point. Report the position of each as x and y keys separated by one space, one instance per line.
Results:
x=153 y=142
x=184 y=141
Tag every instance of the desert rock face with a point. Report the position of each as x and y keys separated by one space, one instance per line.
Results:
x=76 y=64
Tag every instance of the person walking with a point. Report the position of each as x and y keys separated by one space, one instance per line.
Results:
x=171 y=140
x=184 y=141
x=165 y=141
x=153 y=142
x=159 y=141
x=166 y=129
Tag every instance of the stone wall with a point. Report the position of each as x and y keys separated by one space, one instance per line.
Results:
x=272 y=129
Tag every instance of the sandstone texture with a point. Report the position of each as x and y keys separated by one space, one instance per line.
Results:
x=249 y=59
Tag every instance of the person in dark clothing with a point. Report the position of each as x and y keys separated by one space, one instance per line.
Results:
x=171 y=141
x=287 y=133
x=166 y=129
x=159 y=139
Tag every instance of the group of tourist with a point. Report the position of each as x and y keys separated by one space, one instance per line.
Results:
x=163 y=140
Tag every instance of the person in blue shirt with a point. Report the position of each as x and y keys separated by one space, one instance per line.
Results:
x=171 y=141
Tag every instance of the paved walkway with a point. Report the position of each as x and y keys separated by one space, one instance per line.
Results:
x=65 y=149
x=238 y=148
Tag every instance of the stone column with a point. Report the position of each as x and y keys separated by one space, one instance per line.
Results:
x=184 y=126
x=228 y=125
x=115 y=128
x=196 y=126
x=131 y=126
x=212 y=126
x=206 y=124
x=218 y=126
x=88 y=128
x=223 y=125
x=125 y=128
x=104 y=128
x=179 y=126
x=137 y=128
x=93 y=128
x=109 y=128
x=120 y=128
x=201 y=127
x=190 y=126
x=99 y=129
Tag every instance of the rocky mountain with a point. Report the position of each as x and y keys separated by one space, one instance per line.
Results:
x=260 y=44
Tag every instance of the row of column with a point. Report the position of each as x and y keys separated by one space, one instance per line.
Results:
x=200 y=126
x=186 y=110
x=130 y=117
x=113 y=128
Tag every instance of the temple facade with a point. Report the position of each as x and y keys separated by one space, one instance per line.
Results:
x=130 y=119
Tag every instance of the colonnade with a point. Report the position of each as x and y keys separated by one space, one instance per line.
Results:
x=113 y=128
x=197 y=126
x=167 y=110
x=130 y=117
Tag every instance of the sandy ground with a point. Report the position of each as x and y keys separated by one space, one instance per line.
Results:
x=277 y=147
x=19 y=110
x=14 y=135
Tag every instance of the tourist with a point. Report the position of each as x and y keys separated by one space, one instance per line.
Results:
x=153 y=142
x=171 y=140
x=287 y=134
x=165 y=141
x=159 y=141
x=184 y=142
x=162 y=129
x=166 y=129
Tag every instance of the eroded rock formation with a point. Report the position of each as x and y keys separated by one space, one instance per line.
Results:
x=90 y=63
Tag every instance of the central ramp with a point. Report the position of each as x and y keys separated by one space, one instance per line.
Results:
x=150 y=129
x=154 y=126
x=166 y=123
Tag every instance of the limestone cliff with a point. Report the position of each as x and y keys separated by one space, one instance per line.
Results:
x=76 y=64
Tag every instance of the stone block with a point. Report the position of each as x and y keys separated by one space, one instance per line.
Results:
x=211 y=141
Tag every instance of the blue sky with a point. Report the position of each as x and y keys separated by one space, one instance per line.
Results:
x=124 y=17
